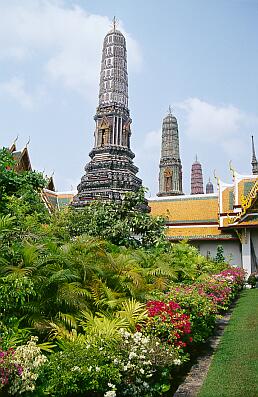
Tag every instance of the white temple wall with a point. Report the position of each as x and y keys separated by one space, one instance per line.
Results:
x=232 y=250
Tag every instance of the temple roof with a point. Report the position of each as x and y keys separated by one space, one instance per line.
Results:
x=22 y=159
x=185 y=209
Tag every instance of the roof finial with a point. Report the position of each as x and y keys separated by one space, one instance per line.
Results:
x=114 y=23
x=217 y=178
x=196 y=158
x=16 y=139
x=232 y=169
x=28 y=142
x=170 y=110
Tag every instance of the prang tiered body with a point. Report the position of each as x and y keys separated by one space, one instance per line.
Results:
x=111 y=171
x=196 y=178
x=170 y=174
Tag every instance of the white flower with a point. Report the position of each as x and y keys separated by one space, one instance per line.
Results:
x=76 y=368
x=90 y=368
x=142 y=371
x=177 y=361
x=111 y=385
x=116 y=361
x=97 y=369
x=132 y=355
x=110 y=393
x=147 y=362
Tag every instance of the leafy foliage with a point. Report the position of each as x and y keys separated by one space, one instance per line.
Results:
x=125 y=223
x=19 y=191
x=82 y=278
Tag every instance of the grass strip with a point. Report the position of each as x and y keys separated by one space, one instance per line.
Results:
x=234 y=367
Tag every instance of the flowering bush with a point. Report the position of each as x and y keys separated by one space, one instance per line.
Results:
x=169 y=323
x=80 y=369
x=29 y=358
x=135 y=366
x=235 y=277
x=252 y=279
x=201 y=301
x=222 y=288
x=199 y=307
x=8 y=368
x=19 y=369
x=144 y=364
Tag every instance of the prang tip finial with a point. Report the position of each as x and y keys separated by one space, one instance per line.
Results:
x=169 y=110
x=114 y=23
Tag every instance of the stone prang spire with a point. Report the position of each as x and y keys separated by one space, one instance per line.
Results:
x=170 y=174
x=111 y=171
x=254 y=159
x=209 y=187
x=196 y=178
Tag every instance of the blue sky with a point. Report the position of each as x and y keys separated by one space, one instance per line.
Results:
x=199 y=56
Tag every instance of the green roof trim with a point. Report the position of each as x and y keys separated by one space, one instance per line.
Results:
x=231 y=199
x=247 y=187
x=203 y=237
x=64 y=201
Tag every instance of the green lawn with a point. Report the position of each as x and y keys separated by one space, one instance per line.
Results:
x=234 y=368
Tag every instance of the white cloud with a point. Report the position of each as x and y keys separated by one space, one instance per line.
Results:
x=225 y=126
x=15 y=88
x=152 y=141
x=66 y=40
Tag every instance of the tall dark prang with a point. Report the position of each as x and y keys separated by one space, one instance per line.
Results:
x=170 y=167
x=111 y=171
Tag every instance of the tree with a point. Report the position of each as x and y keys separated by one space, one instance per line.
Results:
x=20 y=191
x=122 y=223
x=219 y=258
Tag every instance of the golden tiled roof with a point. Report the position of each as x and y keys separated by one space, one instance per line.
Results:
x=244 y=186
x=251 y=222
x=193 y=231
x=187 y=209
x=228 y=199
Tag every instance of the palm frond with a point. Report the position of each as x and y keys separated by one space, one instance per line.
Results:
x=6 y=223
x=133 y=312
x=68 y=319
